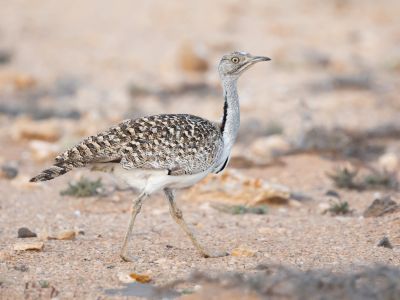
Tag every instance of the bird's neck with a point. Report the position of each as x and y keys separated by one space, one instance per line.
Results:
x=231 y=118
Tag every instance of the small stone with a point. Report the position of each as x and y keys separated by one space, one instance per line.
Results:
x=384 y=242
x=323 y=207
x=65 y=235
x=140 y=277
x=332 y=193
x=381 y=206
x=266 y=197
x=33 y=246
x=243 y=251
x=389 y=162
x=5 y=56
x=8 y=171
x=24 y=232
x=125 y=278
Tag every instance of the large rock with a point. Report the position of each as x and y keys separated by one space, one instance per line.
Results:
x=234 y=187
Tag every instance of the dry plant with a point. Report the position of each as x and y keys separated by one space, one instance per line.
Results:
x=84 y=187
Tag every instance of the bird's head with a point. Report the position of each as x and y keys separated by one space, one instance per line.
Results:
x=234 y=64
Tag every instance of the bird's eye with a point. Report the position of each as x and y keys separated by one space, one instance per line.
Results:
x=235 y=59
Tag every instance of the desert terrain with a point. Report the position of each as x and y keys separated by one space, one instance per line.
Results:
x=310 y=201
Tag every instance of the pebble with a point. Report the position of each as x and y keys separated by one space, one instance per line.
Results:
x=323 y=207
x=243 y=251
x=8 y=171
x=32 y=246
x=384 y=242
x=140 y=277
x=64 y=235
x=266 y=197
x=24 y=232
x=5 y=56
x=125 y=278
x=389 y=162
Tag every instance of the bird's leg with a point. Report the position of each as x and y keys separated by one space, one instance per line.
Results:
x=176 y=213
x=137 y=204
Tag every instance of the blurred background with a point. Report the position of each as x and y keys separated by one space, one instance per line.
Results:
x=334 y=63
x=330 y=96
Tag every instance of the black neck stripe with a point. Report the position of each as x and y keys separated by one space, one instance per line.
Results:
x=225 y=114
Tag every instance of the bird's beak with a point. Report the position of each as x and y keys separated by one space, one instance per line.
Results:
x=256 y=59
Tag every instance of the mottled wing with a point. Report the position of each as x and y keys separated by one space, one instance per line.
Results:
x=182 y=144
x=103 y=147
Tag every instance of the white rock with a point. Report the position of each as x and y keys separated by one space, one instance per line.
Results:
x=323 y=207
x=36 y=246
x=125 y=278
x=389 y=162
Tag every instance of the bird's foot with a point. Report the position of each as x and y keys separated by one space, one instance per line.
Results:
x=125 y=257
x=215 y=254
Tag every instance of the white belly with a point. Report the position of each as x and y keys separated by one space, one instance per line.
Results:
x=151 y=181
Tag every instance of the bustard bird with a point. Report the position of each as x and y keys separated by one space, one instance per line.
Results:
x=164 y=152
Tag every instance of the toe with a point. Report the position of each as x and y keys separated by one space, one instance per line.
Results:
x=216 y=254
x=125 y=258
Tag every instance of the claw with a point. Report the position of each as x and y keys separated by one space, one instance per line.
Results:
x=125 y=258
x=215 y=255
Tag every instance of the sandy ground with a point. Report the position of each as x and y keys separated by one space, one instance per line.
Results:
x=333 y=65
x=296 y=236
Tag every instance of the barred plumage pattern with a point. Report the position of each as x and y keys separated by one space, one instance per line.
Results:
x=179 y=143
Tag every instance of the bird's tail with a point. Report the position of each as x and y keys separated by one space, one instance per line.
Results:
x=54 y=171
